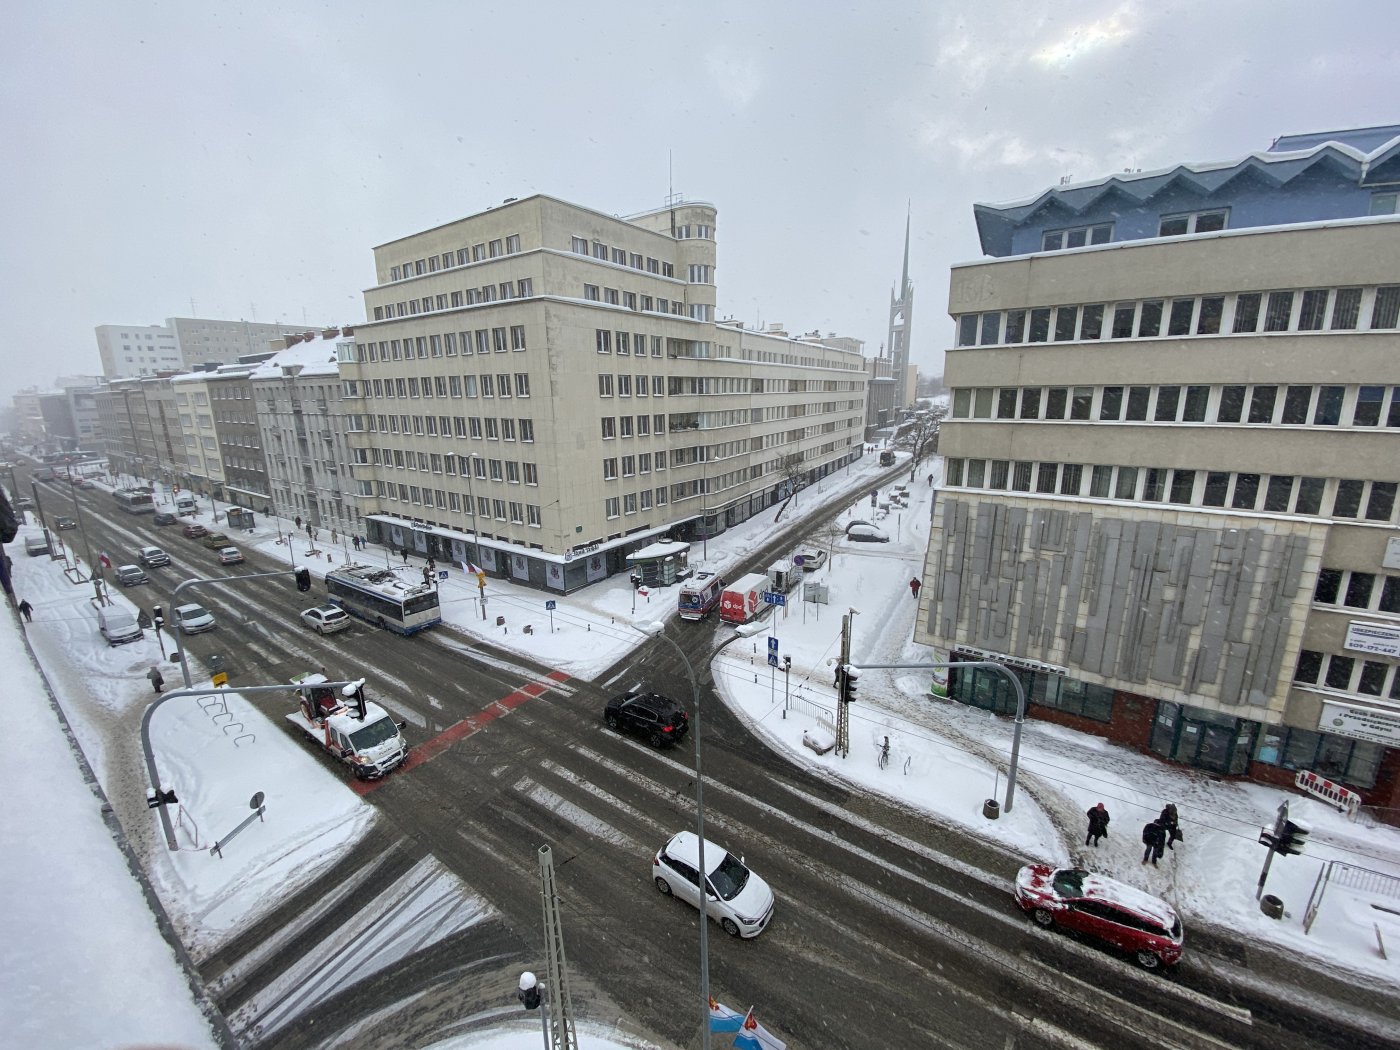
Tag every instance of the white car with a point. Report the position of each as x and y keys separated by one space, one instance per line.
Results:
x=192 y=619
x=154 y=556
x=326 y=619
x=738 y=899
x=809 y=559
x=230 y=556
x=862 y=533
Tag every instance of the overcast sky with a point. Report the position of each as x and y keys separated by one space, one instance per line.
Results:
x=174 y=159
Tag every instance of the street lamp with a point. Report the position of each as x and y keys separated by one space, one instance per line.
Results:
x=657 y=629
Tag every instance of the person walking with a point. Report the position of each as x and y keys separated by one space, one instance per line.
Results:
x=914 y=587
x=1154 y=840
x=404 y=552
x=27 y=611
x=930 y=479
x=1172 y=823
x=1098 y=825
x=157 y=681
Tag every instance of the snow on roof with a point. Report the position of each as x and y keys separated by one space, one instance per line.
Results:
x=315 y=358
x=658 y=550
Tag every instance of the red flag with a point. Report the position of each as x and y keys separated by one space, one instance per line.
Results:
x=106 y=561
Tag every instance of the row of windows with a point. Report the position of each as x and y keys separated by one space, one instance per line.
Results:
x=1269 y=404
x=493 y=428
x=1348 y=674
x=461 y=257
x=630 y=426
x=487 y=293
x=501 y=384
x=624 y=386
x=1240 y=313
x=1358 y=590
x=516 y=513
x=1272 y=493
x=1340 y=758
x=641 y=303
x=446 y=344
x=627 y=343
x=1167 y=226
x=480 y=467
x=634 y=502
x=621 y=256
x=642 y=463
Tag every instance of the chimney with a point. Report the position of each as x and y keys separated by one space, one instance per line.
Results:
x=330 y=333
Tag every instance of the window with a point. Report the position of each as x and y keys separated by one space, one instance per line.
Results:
x=1194 y=408
x=1346 y=309
x=527 y=429
x=967 y=330
x=1055 y=400
x=1212 y=309
x=1167 y=398
x=1329 y=406
x=1347 y=503
x=1246 y=491
x=1296 y=400
x=1308 y=668
x=1381 y=204
x=1313 y=310
x=1183 y=484
x=1138 y=397
x=1092 y=325
x=1030 y=402
x=1279 y=493
x=1380 y=505
x=609 y=469
x=1231 y=405
x=1006 y=403
x=1247 y=312
x=1150 y=319
x=1015 y=326
x=603 y=339
x=1099 y=483
x=1261 y=404
x=1179 y=321
x=1081 y=401
x=513 y=244
x=1310 y=492
x=609 y=428
x=1040 y=325
x=517 y=337
x=1123 y=315
x=1076 y=237
x=1217 y=485
x=1279 y=311
x=1367 y=412
x=522 y=384
x=1192 y=222
x=1066 y=319
x=1111 y=403
x=991 y=328
x=605 y=384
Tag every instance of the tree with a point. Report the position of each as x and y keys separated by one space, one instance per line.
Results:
x=924 y=435
x=793 y=471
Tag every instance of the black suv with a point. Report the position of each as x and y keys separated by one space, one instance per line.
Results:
x=658 y=718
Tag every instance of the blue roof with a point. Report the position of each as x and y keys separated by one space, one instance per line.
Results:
x=1362 y=158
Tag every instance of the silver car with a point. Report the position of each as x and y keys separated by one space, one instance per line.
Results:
x=193 y=619
x=326 y=619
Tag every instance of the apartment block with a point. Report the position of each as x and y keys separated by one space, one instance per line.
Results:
x=1172 y=461
x=544 y=388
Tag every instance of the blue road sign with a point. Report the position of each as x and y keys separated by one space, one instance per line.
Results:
x=772 y=645
x=774 y=598
x=442 y=574
x=772 y=659
x=550 y=605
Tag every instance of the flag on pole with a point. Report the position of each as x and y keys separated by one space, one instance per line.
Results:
x=475 y=569
x=723 y=1019
x=753 y=1036
x=106 y=561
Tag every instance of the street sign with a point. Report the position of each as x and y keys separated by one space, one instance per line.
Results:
x=772 y=645
x=772 y=659
x=551 y=605
x=774 y=598
x=442 y=574
x=219 y=679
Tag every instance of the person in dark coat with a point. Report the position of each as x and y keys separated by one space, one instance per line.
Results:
x=914 y=585
x=27 y=611
x=1098 y=825
x=157 y=680
x=1172 y=823
x=404 y=552
x=1154 y=840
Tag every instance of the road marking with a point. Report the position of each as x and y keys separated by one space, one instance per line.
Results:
x=430 y=749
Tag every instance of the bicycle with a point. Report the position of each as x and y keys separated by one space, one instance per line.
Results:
x=884 y=758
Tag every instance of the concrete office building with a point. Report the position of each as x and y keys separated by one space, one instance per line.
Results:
x=182 y=343
x=1173 y=457
x=545 y=388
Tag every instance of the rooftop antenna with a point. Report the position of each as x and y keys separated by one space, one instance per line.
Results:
x=193 y=313
x=671 y=195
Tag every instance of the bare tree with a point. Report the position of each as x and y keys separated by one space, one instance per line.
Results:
x=924 y=436
x=791 y=466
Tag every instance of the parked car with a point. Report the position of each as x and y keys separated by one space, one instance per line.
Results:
x=657 y=719
x=36 y=545
x=886 y=458
x=24 y=503
x=230 y=556
x=131 y=575
x=151 y=556
x=326 y=619
x=164 y=517
x=1144 y=926
x=809 y=559
x=737 y=899
x=63 y=521
x=866 y=534
x=192 y=619
x=117 y=624
x=214 y=540
x=194 y=531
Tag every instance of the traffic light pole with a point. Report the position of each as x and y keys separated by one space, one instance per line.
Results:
x=219 y=582
x=1272 y=841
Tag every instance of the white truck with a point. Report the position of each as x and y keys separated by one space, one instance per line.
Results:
x=358 y=732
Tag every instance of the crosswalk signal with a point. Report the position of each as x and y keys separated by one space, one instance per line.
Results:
x=1293 y=838
x=303 y=580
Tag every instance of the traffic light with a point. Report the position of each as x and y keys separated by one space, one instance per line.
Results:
x=1293 y=839
x=303 y=580
x=529 y=991
x=849 y=677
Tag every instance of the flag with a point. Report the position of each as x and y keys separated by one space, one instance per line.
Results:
x=723 y=1019
x=475 y=570
x=106 y=561
x=753 y=1036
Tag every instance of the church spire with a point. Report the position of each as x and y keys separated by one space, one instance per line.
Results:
x=904 y=283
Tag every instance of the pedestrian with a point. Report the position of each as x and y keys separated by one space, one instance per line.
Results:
x=332 y=535
x=298 y=519
x=157 y=682
x=930 y=479
x=914 y=585
x=1172 y=823
x=1098 y=825
x=27 y=611
x=404 y=552
x=1154 y=840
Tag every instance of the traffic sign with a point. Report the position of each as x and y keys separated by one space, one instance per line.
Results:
x=551 y=605
x=219 y=679
x=774 y=598
x=442 y=574
x=772 y=645
x=772 y=659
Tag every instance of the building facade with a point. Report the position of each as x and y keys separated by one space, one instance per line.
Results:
x=1173 y=455
x=181 y=344
x=544 y=388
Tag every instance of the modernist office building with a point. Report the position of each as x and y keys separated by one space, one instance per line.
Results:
x=1172 y=461
x=545 y=388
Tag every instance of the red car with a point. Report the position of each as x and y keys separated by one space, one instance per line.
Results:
x=1123 y=916
x=194 y=531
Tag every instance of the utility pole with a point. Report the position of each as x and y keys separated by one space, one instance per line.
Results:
x=561 y=1015
x=843 y=707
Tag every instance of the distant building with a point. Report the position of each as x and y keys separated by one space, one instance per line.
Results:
x=182 y=343
x=1172 y=462
x=904 y=374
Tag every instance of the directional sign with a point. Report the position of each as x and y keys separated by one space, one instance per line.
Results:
x=773 y=659
x=772 y=645
x=774 y=598
x=551 y=605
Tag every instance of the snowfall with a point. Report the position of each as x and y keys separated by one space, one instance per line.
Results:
x=78 y=901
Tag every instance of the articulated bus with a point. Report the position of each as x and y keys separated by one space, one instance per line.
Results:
x=135 y=501
x=385 y=597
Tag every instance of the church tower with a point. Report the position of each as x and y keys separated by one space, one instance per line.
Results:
x=901 y=326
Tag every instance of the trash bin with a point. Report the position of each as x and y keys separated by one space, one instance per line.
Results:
x=991 y=809
x=1271 y=906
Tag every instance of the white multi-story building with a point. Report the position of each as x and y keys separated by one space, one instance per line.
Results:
x=128 y=351
x=544 y=388
x=182 y=343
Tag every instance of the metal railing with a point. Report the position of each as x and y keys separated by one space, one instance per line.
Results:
x=1351 y=877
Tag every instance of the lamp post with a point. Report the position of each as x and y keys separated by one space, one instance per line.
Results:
x=657 y=629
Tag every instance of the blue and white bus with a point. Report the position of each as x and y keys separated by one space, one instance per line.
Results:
x=387 y=598
x=135 y=501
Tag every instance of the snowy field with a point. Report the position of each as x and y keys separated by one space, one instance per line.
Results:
x=943 y=759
